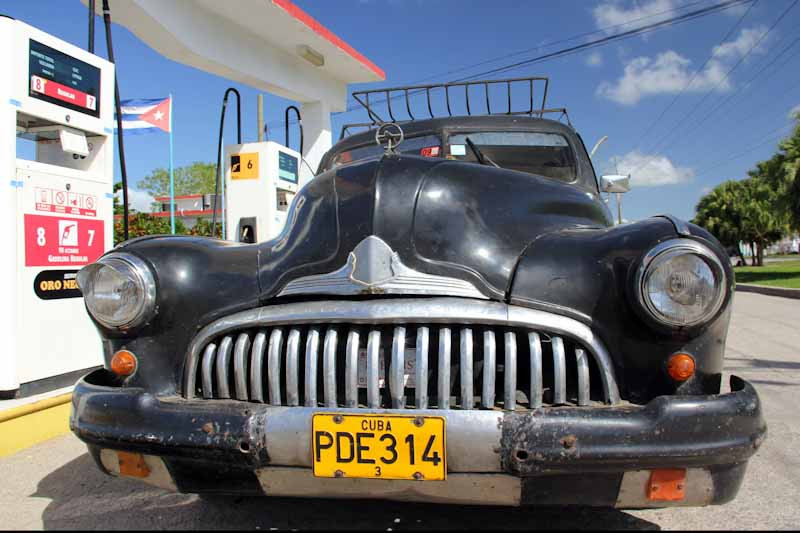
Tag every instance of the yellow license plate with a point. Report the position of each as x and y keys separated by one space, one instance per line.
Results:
x=379 y=446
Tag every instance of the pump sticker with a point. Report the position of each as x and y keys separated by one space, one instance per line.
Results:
x=61 y=241
x=244 y=166
x=71 y=203
x=56 y=284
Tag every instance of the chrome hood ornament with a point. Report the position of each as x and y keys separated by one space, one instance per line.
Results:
x=374 y=268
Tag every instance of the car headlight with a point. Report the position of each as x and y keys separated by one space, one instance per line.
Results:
x=119 y=290
x=681 y=283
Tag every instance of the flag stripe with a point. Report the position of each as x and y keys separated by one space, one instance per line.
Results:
x=132 y=111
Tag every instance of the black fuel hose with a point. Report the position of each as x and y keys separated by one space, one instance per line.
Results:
x=219 y=149
x=120 y=143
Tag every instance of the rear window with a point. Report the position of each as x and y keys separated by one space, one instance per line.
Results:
x=428 y=145
x=545 y=154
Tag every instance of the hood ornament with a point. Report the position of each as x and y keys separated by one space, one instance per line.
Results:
x=389 y=135
x=374 y=268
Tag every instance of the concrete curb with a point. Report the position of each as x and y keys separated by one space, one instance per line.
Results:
x=770 y=291
x=29 y=424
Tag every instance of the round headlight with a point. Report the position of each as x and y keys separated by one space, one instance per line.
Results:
x=681 y=283
x=119 y=290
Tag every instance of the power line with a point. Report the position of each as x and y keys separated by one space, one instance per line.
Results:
x=740 y=153
x=708 y=93
x=694 y=76
x=726 y=4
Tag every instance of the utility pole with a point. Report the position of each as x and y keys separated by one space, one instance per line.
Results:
x=619 y=195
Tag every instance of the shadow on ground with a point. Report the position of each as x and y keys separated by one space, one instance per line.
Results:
x=84 y=498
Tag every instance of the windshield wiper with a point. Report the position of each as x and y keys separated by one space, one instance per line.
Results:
x=482 y=159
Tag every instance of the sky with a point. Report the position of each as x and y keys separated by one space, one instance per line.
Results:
x=684 y=108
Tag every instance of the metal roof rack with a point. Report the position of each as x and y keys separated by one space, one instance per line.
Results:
x=405 y=92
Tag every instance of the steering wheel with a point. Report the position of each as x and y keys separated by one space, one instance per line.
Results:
x=389 y=135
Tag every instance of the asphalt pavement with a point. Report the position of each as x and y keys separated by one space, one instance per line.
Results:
x=55 y=485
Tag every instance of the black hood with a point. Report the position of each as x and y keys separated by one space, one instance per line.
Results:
x=442 y=217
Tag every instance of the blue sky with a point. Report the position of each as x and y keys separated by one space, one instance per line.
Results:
x=716 y=130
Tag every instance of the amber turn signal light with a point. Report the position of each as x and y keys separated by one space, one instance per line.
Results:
x=123 y=363
x=667 y=484
x=132 y=464
x=680 y=366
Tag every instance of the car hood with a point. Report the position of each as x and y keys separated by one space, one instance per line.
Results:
x=401 y=223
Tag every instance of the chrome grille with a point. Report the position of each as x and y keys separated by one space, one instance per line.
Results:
x=437 y=353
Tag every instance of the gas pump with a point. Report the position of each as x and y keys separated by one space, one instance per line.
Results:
x=56 y=209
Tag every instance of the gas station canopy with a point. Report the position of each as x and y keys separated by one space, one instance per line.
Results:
x=271 y=45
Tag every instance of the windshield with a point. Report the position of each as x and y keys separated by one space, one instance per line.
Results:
x=545 y=154
x=427 y=145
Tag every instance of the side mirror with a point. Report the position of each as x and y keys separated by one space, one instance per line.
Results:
x=614 y=183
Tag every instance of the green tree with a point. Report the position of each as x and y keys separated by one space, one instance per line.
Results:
x=790 y=153
x=197 y=178
x=141 y=224
x=203 y=228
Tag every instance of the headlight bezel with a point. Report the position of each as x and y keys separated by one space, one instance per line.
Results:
x=143 y=277
x=665 y=251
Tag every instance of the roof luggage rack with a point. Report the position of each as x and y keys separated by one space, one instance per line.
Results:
x=405 y=113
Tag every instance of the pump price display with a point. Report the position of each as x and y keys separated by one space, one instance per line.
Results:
x=62 y=241
x=61 y=79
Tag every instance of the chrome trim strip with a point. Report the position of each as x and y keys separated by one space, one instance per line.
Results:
x=240 y=353
x=510 y=372
x=559 y=371
x=443 y=384
x=257 y=367
x=397 y=368
x=489 y=368
x=584 y=391
x=537 y=390
x=351 y=370
x=373 y=372
x=208 y=369
x=312 y=354
x=292 y=347
x=374 y=268
x=421 y=388
x=223 y=362
x=406 y=311
x=329 y=367
x=274 y=366
x=465 y=364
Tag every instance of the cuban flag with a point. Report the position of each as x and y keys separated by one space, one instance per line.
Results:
x=146 y=115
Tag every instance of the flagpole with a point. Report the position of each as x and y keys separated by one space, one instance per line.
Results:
x=171 y=177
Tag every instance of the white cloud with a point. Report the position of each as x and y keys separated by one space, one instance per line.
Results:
x=614 y=13
x=669 y=72
x=595 y=59
x=652 y=170
x=139 y=200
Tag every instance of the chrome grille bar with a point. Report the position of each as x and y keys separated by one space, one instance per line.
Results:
x=510 y=372
x=421 y=390
x=274 y=366
x=466 y=368
x=240 y=354
x=559 y=371
x=292 y=347
x=312 y=349
x=208 y=369
x=397 y=368
x=489 y=363
x=583 y=377
x=537 y=390
x=443 y=391
x=223 y=363
x=373 y=373
x=351 y=370
x=329 y=367
x=257 y=367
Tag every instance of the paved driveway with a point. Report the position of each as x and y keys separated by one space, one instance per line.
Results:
x=55 y=485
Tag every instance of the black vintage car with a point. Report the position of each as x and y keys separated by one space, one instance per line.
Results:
x=449 y=315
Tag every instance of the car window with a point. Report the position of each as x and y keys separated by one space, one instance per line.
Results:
x=545 y=154
x=427 y=145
